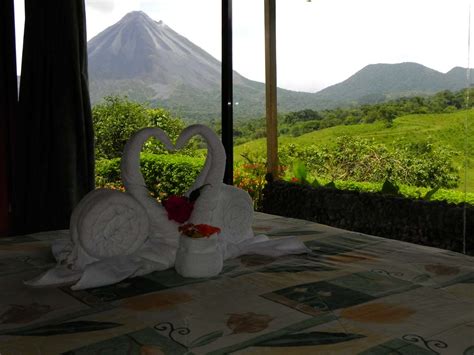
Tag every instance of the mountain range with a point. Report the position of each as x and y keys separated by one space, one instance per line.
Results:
x=148 y=61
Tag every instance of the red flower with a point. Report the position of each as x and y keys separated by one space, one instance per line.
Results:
x=206 y=230
x=198 y=230
x=179 y=208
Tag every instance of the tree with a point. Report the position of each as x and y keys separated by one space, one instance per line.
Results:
x=117 y=118
x=163 y=119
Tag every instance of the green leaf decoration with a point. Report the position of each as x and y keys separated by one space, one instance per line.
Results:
x=67 y=328
x=389 y=188
x=430 y=194
x=206 y=339
x=316 y=183
x=311 y=338
x=299 y=171
x=330 y=185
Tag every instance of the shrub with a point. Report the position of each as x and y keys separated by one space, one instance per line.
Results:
x=357 y=159
x=117 y=118
x=170 y=174
x=114 y=122
x=451 y=196
x=163 y=119
x=251 y=178
x=164 y=174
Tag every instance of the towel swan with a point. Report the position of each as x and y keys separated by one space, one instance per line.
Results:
x=114 y=234
x=228 y=207
x=219 y=204
x=160 y=226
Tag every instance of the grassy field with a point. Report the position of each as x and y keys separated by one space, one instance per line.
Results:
x=446 y=130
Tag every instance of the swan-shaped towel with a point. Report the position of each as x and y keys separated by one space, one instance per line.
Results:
x=161 y=227
x=228 y=207
x=115 y=235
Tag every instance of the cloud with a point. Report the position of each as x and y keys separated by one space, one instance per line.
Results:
x=101 y=5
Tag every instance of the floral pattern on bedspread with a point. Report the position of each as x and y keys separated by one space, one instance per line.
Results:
x=353 y=294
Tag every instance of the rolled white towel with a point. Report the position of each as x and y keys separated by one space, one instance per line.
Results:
x=105 y=225
x=234 y=214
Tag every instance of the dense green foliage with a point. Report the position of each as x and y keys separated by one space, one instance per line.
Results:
x=173 y=174
x=300 y=122
x=445 y=132
x=117 y=118
x=300 y=174
x=357 y=159
x=409 y=152
x=424 y=193
x=163 y=174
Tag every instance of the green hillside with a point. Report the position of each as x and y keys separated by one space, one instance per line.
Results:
x=446 y=130
x=379 y=82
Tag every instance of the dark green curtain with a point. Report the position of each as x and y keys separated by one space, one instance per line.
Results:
x=54 y=157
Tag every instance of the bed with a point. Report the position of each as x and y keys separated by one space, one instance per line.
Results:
x=354 y=294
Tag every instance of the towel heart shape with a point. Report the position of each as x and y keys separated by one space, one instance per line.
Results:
x=211 y=175
x=212 y=172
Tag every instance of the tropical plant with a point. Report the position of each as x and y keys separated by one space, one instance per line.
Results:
x=250 y=176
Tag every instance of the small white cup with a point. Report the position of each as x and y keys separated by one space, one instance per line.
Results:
x=198 y=257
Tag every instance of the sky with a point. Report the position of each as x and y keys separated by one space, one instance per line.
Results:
x=319 y=42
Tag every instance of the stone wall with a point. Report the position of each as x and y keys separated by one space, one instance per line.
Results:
x=433 y=223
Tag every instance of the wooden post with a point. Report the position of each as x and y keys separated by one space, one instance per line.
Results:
x=271 y=87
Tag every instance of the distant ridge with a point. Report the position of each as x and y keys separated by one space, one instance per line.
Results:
x=148 y=61
x=379 y=82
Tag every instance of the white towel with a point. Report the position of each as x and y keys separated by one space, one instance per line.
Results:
x=226 y=207
x=160 y=226
x=234 y=214
x=108 y=243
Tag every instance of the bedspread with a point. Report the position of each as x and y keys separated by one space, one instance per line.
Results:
x=353 y=294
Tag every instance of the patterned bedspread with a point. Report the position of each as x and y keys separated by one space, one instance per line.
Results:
x=354 y=294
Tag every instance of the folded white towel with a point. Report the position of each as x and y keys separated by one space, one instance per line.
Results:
x=234 y=214
x=108 y=243
x=199 y=257
x=203 y=257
